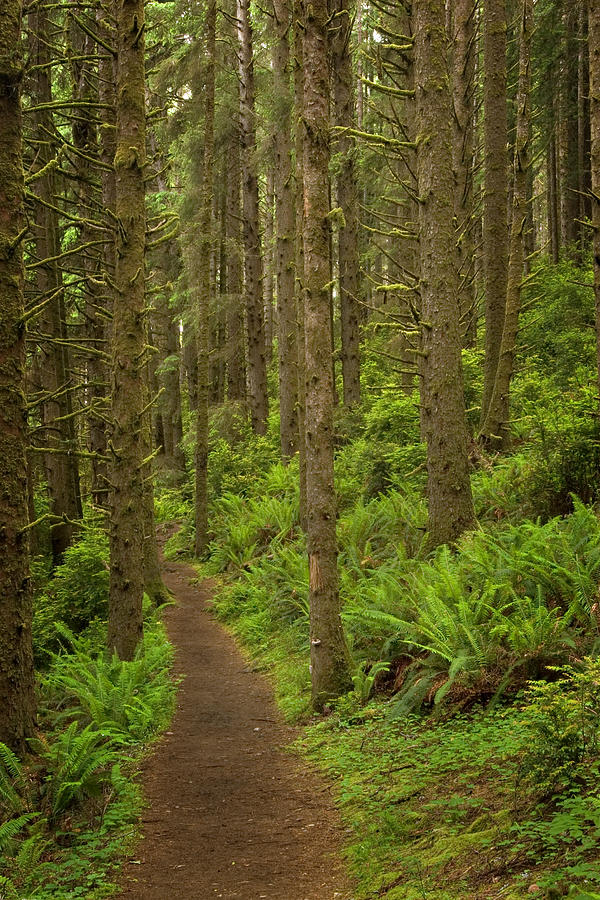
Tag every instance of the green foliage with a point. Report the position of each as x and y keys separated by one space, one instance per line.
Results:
x=131 y=699
x=394 y=418
x=77 y=593
x=68 y=812
x=171 y=505
x=76 y=762
x=560 y=327
x=561 y=722
x=365 y=677
x=564 y=455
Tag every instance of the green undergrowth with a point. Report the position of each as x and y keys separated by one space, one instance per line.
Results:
x=69 y=812
x=466 y=758
x=495 y=803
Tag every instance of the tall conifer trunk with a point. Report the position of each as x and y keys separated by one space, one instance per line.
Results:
x=236 y=356
x=17 y=695
x=203 y=289
x=107 y=96
x=257 y=366
x=128 y=338
x=496 y=428
x=61 y=468
x=495 y=216
x=286 y=226
x=328 y=652
x=442 y=399
x=347 y=198
x=463 y=71
x=298 y=14
x=594 y=47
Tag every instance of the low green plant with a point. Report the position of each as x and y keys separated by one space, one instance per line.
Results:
x=561 y=720
x=131 y=699
x=77 y=593
x=76 y=764
x=365 y=677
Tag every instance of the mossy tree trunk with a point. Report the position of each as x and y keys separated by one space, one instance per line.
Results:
x=347 y=199
x=17 y=692
x=236 y=356
x=463 y=74
x=58 y=432
x=328 y=651
x=496 y=428
x=568 y=137
x=95 y=145
x=287 y=343
x=594 y=49
x=202 y=270
x=495 y=216
x=442 y=398
x=125 y=625
x=253 y=263
x=298 y=15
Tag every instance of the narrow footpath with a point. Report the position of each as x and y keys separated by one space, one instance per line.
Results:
x=230 y=812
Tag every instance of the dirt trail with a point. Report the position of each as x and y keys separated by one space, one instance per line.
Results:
x=230 y=813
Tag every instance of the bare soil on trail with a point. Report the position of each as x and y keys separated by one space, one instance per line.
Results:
x=230 y=813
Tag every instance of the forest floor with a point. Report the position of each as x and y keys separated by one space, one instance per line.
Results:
x=230 y=812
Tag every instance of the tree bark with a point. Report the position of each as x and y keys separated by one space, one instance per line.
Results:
x=463 y=72
x=594 y=49
x=269 y=260
x=568 y=132
x=442 y=399
x=236 y=356
x=347 y=198
x=58 y=432
x=107 y=96
x=553 y=218
x=298 y=14
x=287 y=344
x=496 y=428
x=328 y=652
x=202 y=271
x=17 y=689
x=495 y=217
x=125 y=624
x=257 y=367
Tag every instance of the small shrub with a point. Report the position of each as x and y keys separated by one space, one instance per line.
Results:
x=561 y=722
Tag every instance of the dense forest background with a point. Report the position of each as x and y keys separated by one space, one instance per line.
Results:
x=320 y=283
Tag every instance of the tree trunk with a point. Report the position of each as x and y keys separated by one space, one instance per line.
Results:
x=463 y=71
x=496 y=428
x=269 y=245
x=236 y=356
x=568 y=132
x=347 y=198
x=298 y=14
x=203 y=289
x=58 y=432
x=495 y=218
x=17 y=689
x=553 y=220
x=257 y=366
x=594 y=48
x=128 y=339
x=328 y=652
x=286 y=224
x=107 y=96
x=583 y=126
x=442 y=399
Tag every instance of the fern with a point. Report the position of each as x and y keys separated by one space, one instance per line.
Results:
x=9 y=830
x=14 y=787
x=76 y=764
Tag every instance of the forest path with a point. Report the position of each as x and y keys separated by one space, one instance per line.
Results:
x=230 y=813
